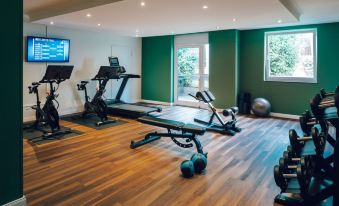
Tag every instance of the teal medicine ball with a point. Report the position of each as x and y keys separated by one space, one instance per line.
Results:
x=187 y=169
x=199 y=162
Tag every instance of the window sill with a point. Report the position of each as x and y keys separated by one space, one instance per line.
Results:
x=292 y=80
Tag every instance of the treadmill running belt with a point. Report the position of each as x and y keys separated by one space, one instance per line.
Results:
x=131 y=110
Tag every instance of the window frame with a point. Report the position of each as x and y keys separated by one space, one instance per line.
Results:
x=313 y=80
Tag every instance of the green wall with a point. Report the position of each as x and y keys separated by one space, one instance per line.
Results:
x=157 y=68
x=224 y=67
x=237 y=64
x=11 y=103
x=290 y=98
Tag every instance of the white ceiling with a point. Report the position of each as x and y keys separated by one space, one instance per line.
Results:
x=41 y=9
x=161 y=17
x=318 y=11
x=30 y=5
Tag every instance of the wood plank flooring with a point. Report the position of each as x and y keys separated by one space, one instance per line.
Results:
x=99 y=168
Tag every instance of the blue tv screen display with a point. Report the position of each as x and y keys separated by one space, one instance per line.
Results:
x=40 y=49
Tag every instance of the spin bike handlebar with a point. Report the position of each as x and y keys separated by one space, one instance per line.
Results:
x=33 y=88
x=82 y=85
x=57 y=81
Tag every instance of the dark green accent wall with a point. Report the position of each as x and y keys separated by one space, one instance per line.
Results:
x=237 y=64
x=290 y=98
x=224 y=67
x=157 y=68
x=11 y=103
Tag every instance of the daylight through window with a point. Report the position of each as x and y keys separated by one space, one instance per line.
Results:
x=291 y=56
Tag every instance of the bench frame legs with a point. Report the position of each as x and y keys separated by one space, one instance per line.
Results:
x=190 y=140
x=228 y=128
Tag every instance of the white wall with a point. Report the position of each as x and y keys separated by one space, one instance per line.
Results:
x=89 y=50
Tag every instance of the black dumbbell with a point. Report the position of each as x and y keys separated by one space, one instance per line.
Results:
x=307 y=121
x=292 y=157
x=287 y=165
x=319 y=138
x=278 y=178
x=297 y=143
x=329 y=97
x=321 y=103
x=281 y=178
x=325 y=94
x=336 y=99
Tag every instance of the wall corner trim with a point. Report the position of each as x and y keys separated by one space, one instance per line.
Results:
x=292 y=7
x=19 y=202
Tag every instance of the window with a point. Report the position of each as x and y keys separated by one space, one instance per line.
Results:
x=191 y=67
x=290 y=56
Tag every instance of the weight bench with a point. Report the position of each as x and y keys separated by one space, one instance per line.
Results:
x=188 y=133
x=223 y=127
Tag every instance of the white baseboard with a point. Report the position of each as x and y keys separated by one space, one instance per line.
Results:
x=156 y=102
x=285 y=116
x=220 y=110
x=273 y=114
x=19 y=202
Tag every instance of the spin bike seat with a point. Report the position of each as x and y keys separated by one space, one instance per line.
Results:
x=84 y=82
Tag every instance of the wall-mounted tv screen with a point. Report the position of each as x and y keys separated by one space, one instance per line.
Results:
x=41 y=49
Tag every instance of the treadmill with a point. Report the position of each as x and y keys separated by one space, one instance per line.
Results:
x=117 y=106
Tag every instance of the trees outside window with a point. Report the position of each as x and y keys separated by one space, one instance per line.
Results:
x=188 y=65
x=291 y=56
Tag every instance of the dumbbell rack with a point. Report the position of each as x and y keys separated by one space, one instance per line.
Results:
x=336 y=170
x=326 y=168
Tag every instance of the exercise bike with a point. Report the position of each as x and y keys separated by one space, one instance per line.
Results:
x=228 y=128
x=48 y=116
x=97 y=104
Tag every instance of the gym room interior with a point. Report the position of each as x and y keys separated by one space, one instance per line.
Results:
x=180 y=102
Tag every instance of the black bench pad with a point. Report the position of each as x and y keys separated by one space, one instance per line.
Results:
x=195 y=129
x=171 y=124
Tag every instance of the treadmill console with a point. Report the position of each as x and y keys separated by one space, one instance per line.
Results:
x=114 y=61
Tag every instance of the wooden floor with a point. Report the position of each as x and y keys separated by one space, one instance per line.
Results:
x=99 y=168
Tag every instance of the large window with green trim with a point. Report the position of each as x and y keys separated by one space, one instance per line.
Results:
x=290 y=56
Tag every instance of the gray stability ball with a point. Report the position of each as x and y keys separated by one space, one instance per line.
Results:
x=261 y=107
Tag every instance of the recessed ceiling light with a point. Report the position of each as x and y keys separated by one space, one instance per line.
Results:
x=137 y=35
x=172 y=32
x=279 y=21
x=99 y=24
x=205 y=7
x=143 y=3
x=217 y=27
x=234 y=19
x=89 y=15
x=51 y=23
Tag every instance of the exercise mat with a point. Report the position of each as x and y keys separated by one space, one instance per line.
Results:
x=91 y=120
x=36 y=136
